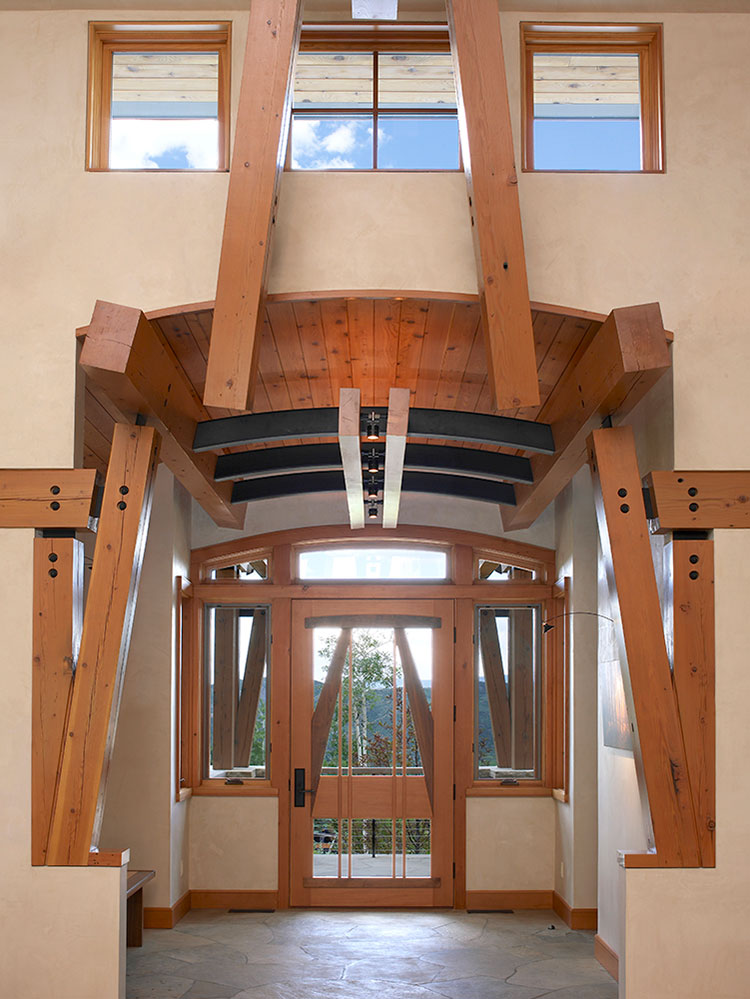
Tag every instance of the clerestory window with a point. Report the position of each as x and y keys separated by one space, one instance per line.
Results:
x=592 y=97
x=380 y=99
x=158 y=96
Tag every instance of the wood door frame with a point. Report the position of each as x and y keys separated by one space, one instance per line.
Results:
x=368 y=892
x=462 y=585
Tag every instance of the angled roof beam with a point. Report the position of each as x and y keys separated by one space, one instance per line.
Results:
x=125 y=355
x=487 y=147
x=257 y=162
x=272 y=486
x=395 y=448
x=440 y=424
x=625 y=359
x=418 y=458
x=351 y=455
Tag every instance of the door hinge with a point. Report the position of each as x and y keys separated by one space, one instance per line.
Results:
x=454 y=712
x=454 y=868
x=454 y=792
x=454 y=636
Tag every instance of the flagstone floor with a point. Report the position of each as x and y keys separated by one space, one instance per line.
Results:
x=302 y=954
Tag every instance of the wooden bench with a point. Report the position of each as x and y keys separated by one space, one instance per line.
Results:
x=134 y=895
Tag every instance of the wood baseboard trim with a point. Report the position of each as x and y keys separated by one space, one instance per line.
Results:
x=167 y=917
x=260 y=900
x=487 y=901
x=576 y=919
x=607 y=957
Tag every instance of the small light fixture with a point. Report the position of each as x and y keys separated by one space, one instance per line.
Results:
x=372 y=513
x=373 y=464
x=372 y=490
x=373 y=427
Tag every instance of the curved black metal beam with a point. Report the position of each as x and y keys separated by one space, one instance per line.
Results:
x=274 y=486
x=440 y=424
x=419 y=458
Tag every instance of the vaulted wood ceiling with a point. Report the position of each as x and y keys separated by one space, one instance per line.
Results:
x=311 y=348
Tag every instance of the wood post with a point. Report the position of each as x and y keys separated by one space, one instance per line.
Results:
x=113 y=587
x=58 y=611
x=324 y=709
x=623 y=531
x=694 y=669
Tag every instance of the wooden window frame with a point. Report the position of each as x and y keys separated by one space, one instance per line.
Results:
x=374 y=39
x=645 y=40
x=109 y=37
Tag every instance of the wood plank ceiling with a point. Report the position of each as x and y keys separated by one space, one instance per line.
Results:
x=311 y=348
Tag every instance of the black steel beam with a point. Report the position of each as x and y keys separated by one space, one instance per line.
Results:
x=467 y=461
x=260 y=428
x=274 y=486
x=275 y=460
x=481 y=428
x=419 y=458
x=441 y=424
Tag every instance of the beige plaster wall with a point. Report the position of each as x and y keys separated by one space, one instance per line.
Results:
x=234 y=843
x=330 y=508
x=686 y=931
x=576 y=831
x=510 y=844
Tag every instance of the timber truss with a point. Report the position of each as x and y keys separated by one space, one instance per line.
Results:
x=518 y=390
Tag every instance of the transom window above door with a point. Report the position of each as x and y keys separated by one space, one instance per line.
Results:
x=374 y=103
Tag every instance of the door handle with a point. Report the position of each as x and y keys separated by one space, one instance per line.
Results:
x=299 y=787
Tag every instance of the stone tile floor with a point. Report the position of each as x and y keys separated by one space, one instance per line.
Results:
x=303 y=954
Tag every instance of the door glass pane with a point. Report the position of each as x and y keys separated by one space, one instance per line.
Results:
x=508 y=691
x=236 y=678
x=587 y=111
x=372 y=774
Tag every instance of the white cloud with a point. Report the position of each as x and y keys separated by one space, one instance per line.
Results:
x=342 y=139
x=137 y=143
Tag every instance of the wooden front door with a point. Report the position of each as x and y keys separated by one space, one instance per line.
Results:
x=372 y=753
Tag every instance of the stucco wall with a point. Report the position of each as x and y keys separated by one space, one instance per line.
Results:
x=592 y=242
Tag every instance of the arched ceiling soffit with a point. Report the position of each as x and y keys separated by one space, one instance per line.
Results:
x=313 y=346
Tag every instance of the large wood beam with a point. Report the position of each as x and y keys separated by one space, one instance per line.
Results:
x=700 y=501
x=58 y=611
x=489 y=162
x=125 y=354
x=647 y=677
x=351 y=454
x=257 y=162
x=395 y=449
x=47 y=497
x=626 y=358
x=694 y=670
x=113 y=587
